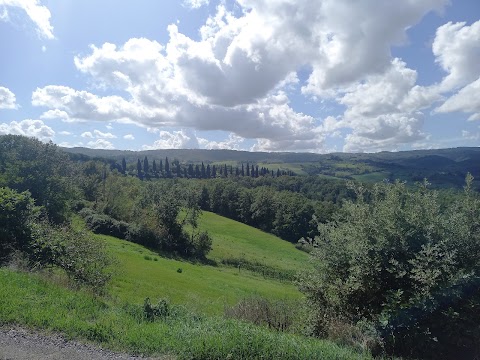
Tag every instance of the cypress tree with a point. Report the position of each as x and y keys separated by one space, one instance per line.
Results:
x=167 y=167
x=179 y=170
x=248 y=169
x=124 y=166
x=139 y=169
x=190 y=170
x=145 y=166
x=243 y=170
x=209 y=171
x=161 y=167
x=202 y=173
x=214 y=171
x=154 y=168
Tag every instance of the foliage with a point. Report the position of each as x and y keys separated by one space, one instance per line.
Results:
x=16 y=215
x=42 y=169
x=279 y=315
x=404 y=263
x=154 y=312
x=83 y=259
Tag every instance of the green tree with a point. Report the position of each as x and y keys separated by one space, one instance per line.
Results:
x=139 y=169
x=17 y=212
x=124 y=166
x=167 y=167
x=146 y=168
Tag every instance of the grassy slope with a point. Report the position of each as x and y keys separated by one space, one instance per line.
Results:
x=203 y=288
x=232 y=239
x=28 y=300
x=117 y=322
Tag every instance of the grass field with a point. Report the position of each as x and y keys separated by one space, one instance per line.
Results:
x=31 y=301
x=234 y=240
x=203 y=288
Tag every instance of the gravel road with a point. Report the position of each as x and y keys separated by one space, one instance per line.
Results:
x=20 y=344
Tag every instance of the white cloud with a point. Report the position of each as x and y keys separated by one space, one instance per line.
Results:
x=87 y=134
x=97 y=134
x=233 y=78
x=195 y=4
x=233 y=142
x=129 y=137
x=457 y=50
x=54 y=114
x=468 y=135
x=65 y=133
x=38 y=14
x=182 y=139
x=466 y=100
x=28 y=127
x=100 y=144
x=7 y=99
x=101 y=135
x=384 y=111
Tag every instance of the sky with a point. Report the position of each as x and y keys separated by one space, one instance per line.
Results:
x=259 y=75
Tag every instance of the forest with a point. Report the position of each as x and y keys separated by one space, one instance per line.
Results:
x=394 y=265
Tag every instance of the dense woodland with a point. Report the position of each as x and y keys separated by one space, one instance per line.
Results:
x=396 y=265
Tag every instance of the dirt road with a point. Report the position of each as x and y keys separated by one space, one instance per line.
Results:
x=21 y=344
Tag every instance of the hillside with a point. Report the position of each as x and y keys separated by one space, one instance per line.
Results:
x=443 y=167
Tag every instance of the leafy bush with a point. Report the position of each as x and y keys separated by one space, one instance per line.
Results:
x=83 y=259
x=405 y=264
x=16 y=214
x=154 y=312
x=104 y=224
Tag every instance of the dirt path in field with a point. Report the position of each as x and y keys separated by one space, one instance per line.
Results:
x=20 y=344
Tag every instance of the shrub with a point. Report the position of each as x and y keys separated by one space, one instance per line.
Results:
x=404 y=263
x=279 y=315
x=154 y=312
x=83 y=259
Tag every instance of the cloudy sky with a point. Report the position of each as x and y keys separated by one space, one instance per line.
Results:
x=263 y=75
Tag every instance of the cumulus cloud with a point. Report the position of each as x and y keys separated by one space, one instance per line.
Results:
x=457 y=50
x=38 y=14
x=182 y=139
x=384 y=111
x=7 y=99
x=129 y=137
x=233 y=142
x=28 y=127
x=100 y=144
x=466 y=100
x=234 y=77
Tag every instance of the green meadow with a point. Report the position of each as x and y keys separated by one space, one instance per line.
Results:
x=141 y=273
x=234 y=240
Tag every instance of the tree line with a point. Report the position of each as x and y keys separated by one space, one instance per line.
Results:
x=163 y=169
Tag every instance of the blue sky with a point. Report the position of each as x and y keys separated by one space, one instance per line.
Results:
x=263 y=75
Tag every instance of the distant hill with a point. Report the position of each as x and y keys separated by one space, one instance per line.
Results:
x=442 y=167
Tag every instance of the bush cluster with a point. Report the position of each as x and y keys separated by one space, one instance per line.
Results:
x=154 y=236
x=405 y=263
x=23 y=231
